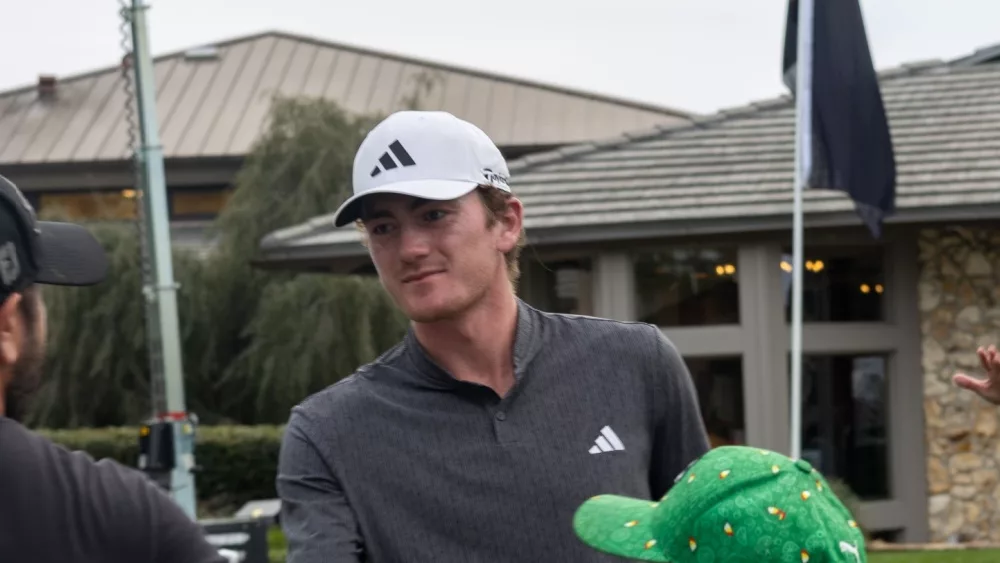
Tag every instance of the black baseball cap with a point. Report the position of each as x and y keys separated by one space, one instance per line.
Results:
x=43 y=252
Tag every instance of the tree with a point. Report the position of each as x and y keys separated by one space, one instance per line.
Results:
x=292 y=334
x=254 y=343
x=96 y=370
x=423 y=83
x=307 y=333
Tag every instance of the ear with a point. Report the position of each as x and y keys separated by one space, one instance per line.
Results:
x=511 y=223
x=10 y=330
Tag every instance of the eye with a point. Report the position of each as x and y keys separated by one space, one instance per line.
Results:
x=379 y=229
x=435 y=215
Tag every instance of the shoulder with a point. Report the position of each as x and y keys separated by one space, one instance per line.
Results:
x=355 y=386
x=42 y=478
x=641 y=347
x=98 y=485
x=134 y=507
x=30 y=452
x=342 y=400
x=634 y=336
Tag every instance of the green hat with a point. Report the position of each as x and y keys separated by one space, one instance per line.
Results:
x=734 y=504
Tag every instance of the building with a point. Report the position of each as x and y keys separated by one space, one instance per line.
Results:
x=65 y=141
x=688 y=227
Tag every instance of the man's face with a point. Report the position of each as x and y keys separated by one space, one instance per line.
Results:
x=23 y=332
x=438 y=258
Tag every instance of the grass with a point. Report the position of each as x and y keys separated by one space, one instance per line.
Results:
x=276 y=542
x=276 y=545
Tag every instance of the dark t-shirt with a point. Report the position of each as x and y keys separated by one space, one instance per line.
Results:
x=63 y=507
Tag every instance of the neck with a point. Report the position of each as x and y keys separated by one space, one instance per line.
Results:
x=478 y=345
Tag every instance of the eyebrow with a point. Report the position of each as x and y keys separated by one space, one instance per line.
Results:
x=368 y=213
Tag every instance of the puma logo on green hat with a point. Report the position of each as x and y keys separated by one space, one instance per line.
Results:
x=734 y=504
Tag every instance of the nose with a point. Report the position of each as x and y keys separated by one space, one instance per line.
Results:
x=413 y=245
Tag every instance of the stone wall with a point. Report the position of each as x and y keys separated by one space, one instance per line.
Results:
x=959 y=290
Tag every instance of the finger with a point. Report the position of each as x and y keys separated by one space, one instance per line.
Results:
x=966 y=382
x=985 y=358
x=993 y=367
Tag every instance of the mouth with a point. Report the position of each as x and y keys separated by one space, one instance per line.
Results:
x=420 y=276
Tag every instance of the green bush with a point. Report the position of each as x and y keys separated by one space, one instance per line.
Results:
x=237 y=463
x=851 y=501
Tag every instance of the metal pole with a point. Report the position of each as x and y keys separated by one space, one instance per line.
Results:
x=163 y=292
x=803 y=158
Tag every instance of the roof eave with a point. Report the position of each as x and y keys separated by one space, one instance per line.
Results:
x=282 y=255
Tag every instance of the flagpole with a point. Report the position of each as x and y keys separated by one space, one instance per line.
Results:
x=803 y=154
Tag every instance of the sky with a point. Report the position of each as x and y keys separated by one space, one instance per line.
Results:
x=694 y=55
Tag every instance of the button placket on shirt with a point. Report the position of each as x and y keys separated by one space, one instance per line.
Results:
x=503 y=427
x=495 y=408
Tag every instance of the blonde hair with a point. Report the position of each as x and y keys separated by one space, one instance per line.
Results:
x=495 y=202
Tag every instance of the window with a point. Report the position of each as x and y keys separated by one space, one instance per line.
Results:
x=844 y=426
x=185 y=203
x=568 y=287
x=84 y=206
x=719 y=382
x=839 y=285
x=197 y=203
x=687 y=287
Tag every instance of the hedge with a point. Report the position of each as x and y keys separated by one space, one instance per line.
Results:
x=237 y=463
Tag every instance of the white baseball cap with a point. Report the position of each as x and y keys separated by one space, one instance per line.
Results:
x=425 y=154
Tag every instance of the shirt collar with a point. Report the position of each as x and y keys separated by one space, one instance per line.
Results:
x=527 y=342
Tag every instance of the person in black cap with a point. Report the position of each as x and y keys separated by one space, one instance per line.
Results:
x=57 y=505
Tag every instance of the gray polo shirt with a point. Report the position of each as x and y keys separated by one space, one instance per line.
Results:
x=400 y=462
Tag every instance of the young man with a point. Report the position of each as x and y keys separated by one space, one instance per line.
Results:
x=476 y=437
x=57 y=506
x=989 y=388
x=736 y=504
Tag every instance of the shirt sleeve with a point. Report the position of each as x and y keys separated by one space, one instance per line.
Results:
x=680 y=436
x=147 y=520
x=318 y=522
x=180 y=539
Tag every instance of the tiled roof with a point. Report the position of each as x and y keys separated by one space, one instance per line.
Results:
x=945 y=124
x=213 y=101
x=733 y=171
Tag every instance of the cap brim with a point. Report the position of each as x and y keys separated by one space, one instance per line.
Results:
x=438 y=190
x=619 y=526
x=70 y=255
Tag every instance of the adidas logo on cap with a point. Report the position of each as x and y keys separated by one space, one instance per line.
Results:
x=386 y=161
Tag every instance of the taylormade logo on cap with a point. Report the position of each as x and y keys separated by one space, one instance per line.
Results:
x=424 y=154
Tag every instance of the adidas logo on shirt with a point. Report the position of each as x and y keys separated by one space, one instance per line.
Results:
x=386 y=162
x=608 y=441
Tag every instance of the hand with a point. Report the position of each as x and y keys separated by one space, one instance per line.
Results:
x=988 y=388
